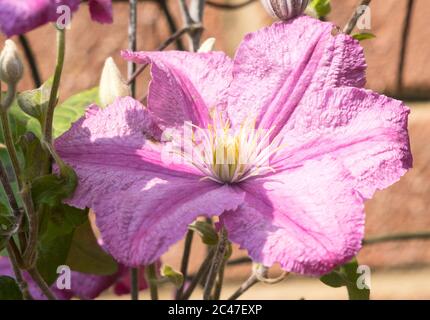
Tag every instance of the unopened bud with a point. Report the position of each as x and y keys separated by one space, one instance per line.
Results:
x=11 y=68
x=207 y=45
x=285 y=9
x=112 y=84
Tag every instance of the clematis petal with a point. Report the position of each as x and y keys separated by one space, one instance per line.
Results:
x=90 y=286
x=278 y=65
x=184 y=85
x=123 y=285
x=101 y=10
x=363 y=130
x=142 y=206
x=83 y=286
x=309 y=219
x=18 y=17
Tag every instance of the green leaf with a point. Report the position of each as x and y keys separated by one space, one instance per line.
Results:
x=347 y=276
x=21 y=122
x=172 y=275
x=35 y=158
x=87 y=256
x=321 y=7
x=7 y=224
x=9 y=289
x=351 y=271
x=62 y=220
x=72 y=109
x=51 y=254
x=60 y=224
x=363 y=36
x=51 y=189
x=334 y=279
x=35 y=102
x=206 y=231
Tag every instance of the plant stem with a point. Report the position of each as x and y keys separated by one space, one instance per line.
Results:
x=352 y=22
x=23 y=285
x=163 y=46
x=35 y=275
x=403 y=49
x=30 y=253
x=132 y=42
x=171 y=22
x=7 y=133
x=151 y=278
x=196 y=14
x=217 y=261
x=252 y=280
x=219 y=282
x=49 y=117
x=134 y=283
x=31 y=59
x=10 y=96
x=131 y=67
x=199 y=275
x=185 y=260
x=9 y=191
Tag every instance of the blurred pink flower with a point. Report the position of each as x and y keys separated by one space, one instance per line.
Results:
x=18 y=17
x=83 y=286
x=291 y=104
x=101 y=10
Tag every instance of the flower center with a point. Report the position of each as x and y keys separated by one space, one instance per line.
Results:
x=230 y=155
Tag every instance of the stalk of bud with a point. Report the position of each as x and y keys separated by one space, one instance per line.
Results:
x=112 y=84
x=285 y=9
x=11 y=68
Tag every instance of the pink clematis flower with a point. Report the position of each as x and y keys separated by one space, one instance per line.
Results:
x=291 y=104
x=18 y=17
x=101 y=10
x=83 y=286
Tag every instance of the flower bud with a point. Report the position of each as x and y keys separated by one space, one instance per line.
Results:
x=285 y=9
x=112 y=84
x=11 y=68
x=207 y=45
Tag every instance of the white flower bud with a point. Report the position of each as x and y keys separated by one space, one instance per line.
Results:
x=11 y=68
x=112 y=84
x=285 y=9
x=207 y=45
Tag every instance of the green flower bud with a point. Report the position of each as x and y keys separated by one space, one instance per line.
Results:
x=11 y=68
x=112 y=85
x=285 y=9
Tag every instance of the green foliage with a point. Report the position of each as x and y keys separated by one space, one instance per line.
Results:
x=363 y=36
x=36 y=160
x=58 y=225
x=172 y=275
x=347 y=276
x=21 y=123
x=7 y=223
x=35 y=102
x=87 y=256
x=206 y=231
x=60 y=237
x=51 y=189
x=72 y=109
x=9 y=289
x=321 y=7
